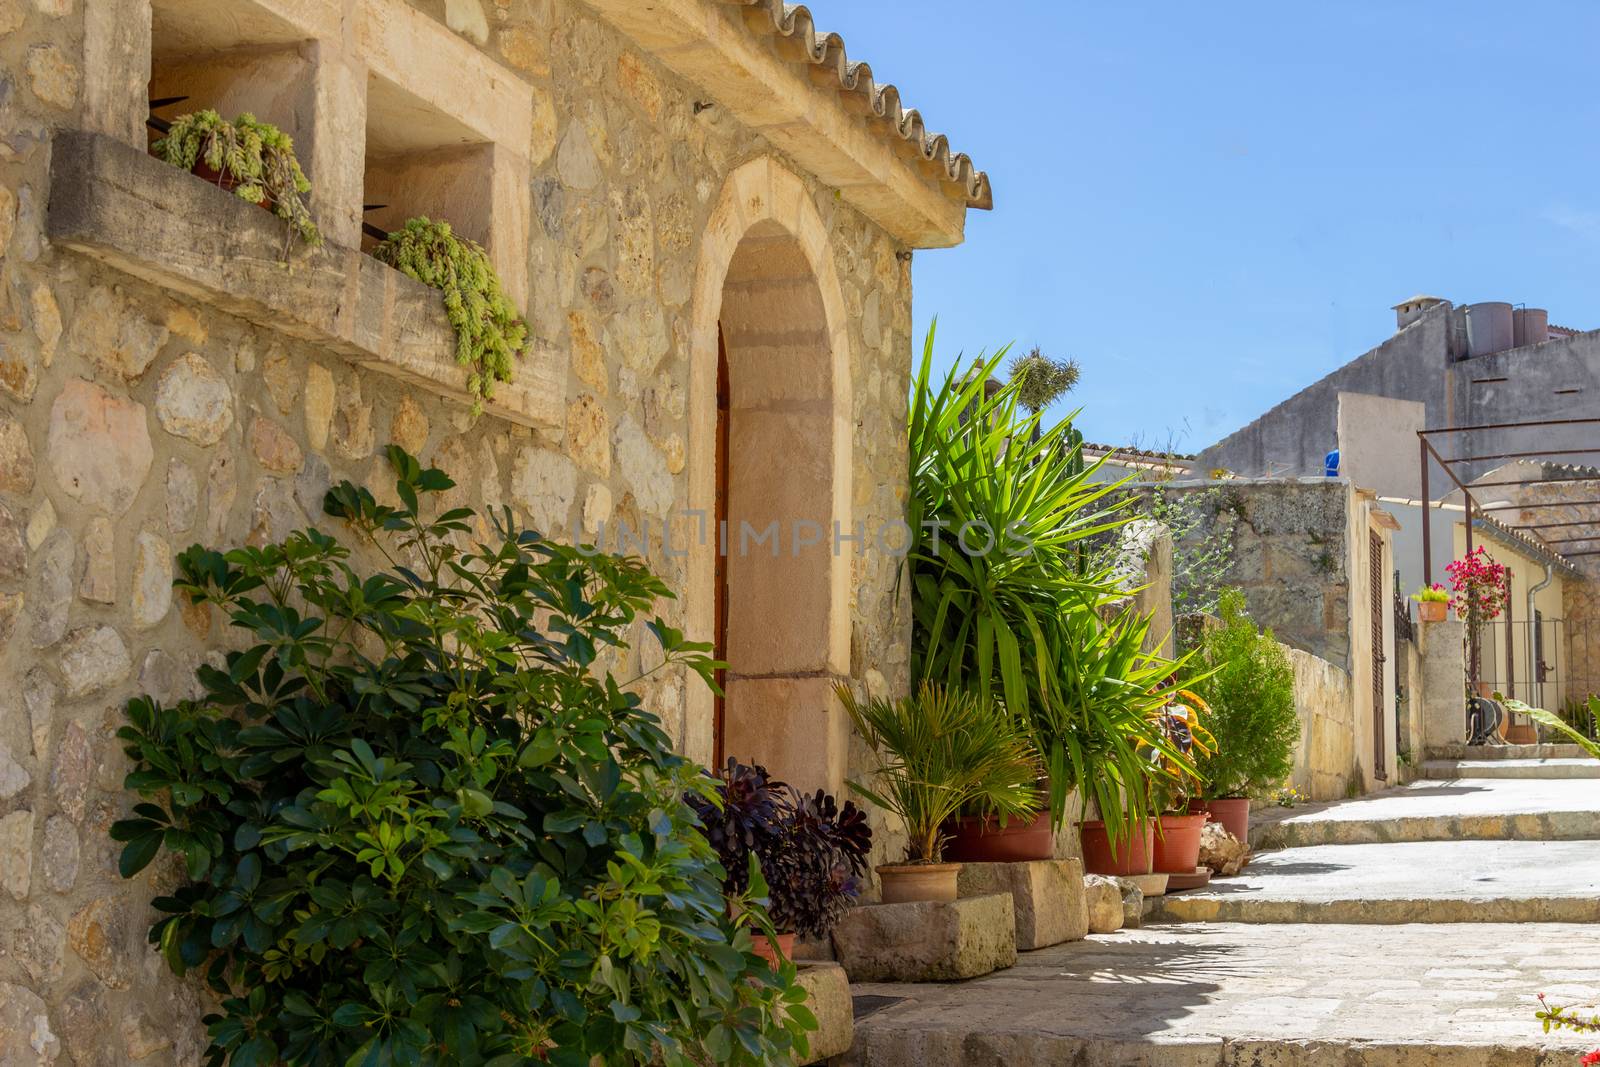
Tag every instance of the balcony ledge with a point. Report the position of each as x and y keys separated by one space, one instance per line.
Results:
x=167 y=227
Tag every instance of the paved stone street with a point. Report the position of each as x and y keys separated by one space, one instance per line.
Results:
x=1228 y=994
x=1415 y=926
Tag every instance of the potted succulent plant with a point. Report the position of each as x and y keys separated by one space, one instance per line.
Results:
x=812 y=853
x=1249 y=688
x=941 y=749
x=254 y=160
x=1433 y=602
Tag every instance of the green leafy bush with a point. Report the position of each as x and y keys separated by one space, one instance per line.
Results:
x=256 y=158
x=1251 y=693
x=490 y=335
x=421 y=827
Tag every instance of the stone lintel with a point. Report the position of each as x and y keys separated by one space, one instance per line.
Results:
x=927 y=941
x=155 y=222
x=1047 y=897
x=808 y=122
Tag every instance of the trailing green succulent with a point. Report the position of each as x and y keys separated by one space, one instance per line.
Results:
x=253 y=158
x=420 y=827
x=490 y=335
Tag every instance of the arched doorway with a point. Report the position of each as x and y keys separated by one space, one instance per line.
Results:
x=769 y=440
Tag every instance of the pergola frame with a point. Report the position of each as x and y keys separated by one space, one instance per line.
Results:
x=1427 y=451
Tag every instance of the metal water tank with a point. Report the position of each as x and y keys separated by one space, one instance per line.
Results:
x=1530 y=326
x=1489 y=328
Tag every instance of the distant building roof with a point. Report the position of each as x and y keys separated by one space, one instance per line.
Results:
x=1420 y=298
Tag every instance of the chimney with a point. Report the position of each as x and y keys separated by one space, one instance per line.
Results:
x=1408 y=311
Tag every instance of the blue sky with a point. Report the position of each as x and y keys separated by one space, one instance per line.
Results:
x=1211 y=206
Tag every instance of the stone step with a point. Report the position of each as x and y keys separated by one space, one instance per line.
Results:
x=1229 y=995
x=1512 y=768
x=1482 y=752
x=1460 y=809
x=1411 y=882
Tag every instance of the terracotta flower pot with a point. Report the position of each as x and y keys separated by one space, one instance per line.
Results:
x=906 y=882
x=1433 y=610
x=767 y=951
x=1177 y=846
x=981 y=839
x=228 y=182
x=1132 y=855
x=1232 y=812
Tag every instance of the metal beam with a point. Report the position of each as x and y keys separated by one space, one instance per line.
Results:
x=1509 y=426
x=1526 y=455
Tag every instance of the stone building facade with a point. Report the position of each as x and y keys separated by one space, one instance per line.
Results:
x=654 y=186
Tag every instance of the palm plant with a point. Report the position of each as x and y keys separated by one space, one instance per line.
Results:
x=943 y=749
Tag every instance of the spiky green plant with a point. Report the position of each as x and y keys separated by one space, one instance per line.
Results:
x=997 y=511
x=256 y=155
x=490 y=335
x=1020 y=621
x=943 y=749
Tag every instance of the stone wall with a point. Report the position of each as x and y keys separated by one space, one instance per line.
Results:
x=1289 y=552
x=1326 y=763
x=138 y=416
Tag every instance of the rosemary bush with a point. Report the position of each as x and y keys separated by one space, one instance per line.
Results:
x=490 y=335
x=255 y=155
x=421 y=828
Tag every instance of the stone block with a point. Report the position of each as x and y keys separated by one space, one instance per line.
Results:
x=1133 y=900
x=1103 y=903
x=927 y=941
x=828 y=997
x=1047 y=897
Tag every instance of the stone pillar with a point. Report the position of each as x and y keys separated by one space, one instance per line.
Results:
x=116 y=61
x=334 y=154
x=1442 y=701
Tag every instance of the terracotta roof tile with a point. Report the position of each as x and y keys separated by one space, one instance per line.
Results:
x=794 y=24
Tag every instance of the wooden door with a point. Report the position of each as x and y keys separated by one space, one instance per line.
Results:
x=719 y=591
x=1379 y=696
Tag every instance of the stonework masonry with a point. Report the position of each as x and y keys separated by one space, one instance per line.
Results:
x=171 y=378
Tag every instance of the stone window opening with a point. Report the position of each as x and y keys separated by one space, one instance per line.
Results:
x=210 y=55
x=307 y=67
x=421 y=161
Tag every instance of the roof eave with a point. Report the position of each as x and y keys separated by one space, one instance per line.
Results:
x=895 y=174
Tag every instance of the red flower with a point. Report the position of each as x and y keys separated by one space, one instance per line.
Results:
x=1591 y=1059
x=1479 y=583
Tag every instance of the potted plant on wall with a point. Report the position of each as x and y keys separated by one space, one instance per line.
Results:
x=1249 y=688
x=941 y=749
x=254 y=160
x=1433 y=602
x=490 y=335
x=812 y=853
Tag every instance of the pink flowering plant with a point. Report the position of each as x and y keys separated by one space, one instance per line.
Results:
x=1559 y=1018
x=1479 y=584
